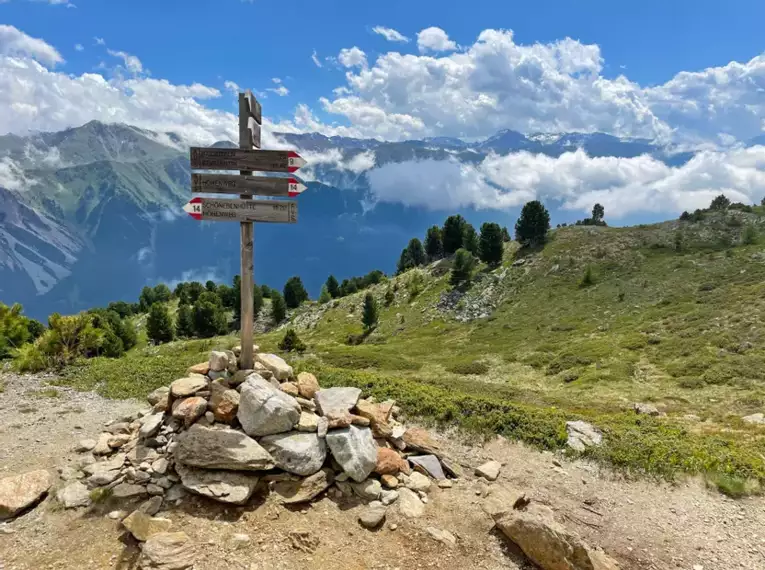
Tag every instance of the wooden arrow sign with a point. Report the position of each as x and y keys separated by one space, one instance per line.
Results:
x=246 y=185
x=240 y=159
x=269 y=211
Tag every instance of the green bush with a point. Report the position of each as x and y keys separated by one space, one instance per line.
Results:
x=390 y=296
x=370 y=314
x=159 y=325
x=294 y=292
x=588 y=278
x=468 y=368
x=324 y=296
x=112 y=346
x=29 y=358
x=462 y=270
x=749 y=235
x=208 y=316
x=184 y=325
x=291 y=341
x=415 y=285
x=69 y=338
x=14 y=329
x=278 y=308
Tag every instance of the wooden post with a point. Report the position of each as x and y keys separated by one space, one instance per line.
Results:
x=248 y=239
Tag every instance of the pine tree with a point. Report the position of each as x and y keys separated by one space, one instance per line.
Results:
x=291 y=341
x=159 y=325
x=452 y=234
x=404 y=261
x=434 y=248
x=194 y=290
x=294 y=292
x=257 y=301
x=333 y=287
x=278 y=307
x=721 y=202
x=598 y=212
x=324 y=297
x=211 y=286
x=505 y=234
x=162 y=293
x=208 y=316
x=533 y=225
x=491 y=245
x=470 y=238
x=462 y=268
x=184 y=324
x=146 y=299
x=416 y=252
x=369 y=316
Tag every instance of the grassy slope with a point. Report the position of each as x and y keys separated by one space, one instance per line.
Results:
x=677 y=328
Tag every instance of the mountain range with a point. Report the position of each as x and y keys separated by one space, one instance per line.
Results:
x=91 y=214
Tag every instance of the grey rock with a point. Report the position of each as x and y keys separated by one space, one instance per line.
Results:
x=309 y=422
x=646 y=409
x=265 y=410
x=337 y=400
x=119 y=428
x=167 y=551
x=489 y=470
x=582 y=435
x=164 y=482
x=322 y=427
x=226 y=448
x=296 y=452
x=355 y=450
x=417 y=482
x=154 y=490
x=218 y=361
x=102 y=445
x=175 y=493
x=74 y=495
x=140 y=454
x=308 y=405
x=428 y=464
x=185 y=387
x=409 y=504
x=151 y=425
x=151 y=507
x=280 y=369
x=157 y=395
x=85 y=445
x=128 y=491
x=369 y=490
x=373 y=515
x=160 y=466
x=443 y=536
x=224 y=486
x=756 y=419
x=388 y=497
x=303 y=490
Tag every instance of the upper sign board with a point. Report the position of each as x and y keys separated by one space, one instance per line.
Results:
x=240 y=159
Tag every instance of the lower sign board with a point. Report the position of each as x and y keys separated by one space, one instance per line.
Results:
x=241 y=184
x=225 y=210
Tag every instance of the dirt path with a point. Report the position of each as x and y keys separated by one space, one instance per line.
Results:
x=642 y=524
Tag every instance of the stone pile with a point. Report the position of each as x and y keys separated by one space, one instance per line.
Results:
x=225 y=433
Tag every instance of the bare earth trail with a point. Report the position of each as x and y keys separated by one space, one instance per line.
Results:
x=642 y=524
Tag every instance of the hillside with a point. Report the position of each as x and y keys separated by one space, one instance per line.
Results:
x=672 y=317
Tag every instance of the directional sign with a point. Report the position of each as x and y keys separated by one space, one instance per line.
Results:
x=214 y=209
x=239 y=159
x=248 y=185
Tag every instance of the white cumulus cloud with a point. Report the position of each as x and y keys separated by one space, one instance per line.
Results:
x=352 y=57
x=434 y=39
x=390 y=34
x=14 y=42
x=575 y=181
x=132 y=63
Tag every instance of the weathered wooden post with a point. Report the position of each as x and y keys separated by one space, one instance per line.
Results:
x=245 y=210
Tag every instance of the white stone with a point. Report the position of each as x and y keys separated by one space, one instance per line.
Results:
x=489 y=470
x=265 y=410
x=295 y=452
x=355 y=450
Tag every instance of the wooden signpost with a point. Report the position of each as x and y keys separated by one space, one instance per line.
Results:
x=270 y=211
x=238 y=184
x=245 y=210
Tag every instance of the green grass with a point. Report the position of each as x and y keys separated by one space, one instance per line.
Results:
x=46 y=393
x=679 y=328
x=2 y=386
x=100 y=494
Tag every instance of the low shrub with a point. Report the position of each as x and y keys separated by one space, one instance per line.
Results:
x=468 y=368
x=291 y=342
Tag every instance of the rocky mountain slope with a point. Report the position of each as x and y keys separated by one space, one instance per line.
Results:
x=91 y=214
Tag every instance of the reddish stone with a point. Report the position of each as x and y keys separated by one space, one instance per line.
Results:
x=189 y=409
x=389 y=462
x=202 y=368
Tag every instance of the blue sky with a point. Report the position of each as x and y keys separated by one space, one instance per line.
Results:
x=689 y=75
x=251 y=42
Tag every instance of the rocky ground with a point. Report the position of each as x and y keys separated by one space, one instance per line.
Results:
x=641 y=524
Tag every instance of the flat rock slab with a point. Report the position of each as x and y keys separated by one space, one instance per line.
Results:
x=264 y=409
x=20 y=492
x=296 y=452
x=355 y=450
x=128 y=491
x=213 y=448
x=409 y=504
x=489 y=470
x=167 y=551
x=337 y=400
x=143 y=526
x=420 y=440
x=280 y=369
x=547 y=543
x=582 y=435
x=74 y=495
x=224 y=486
x=373 y=515
x=185 y=387
x=429 y=465
x=151 y=425
x=291 y=492
x=307 y=385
